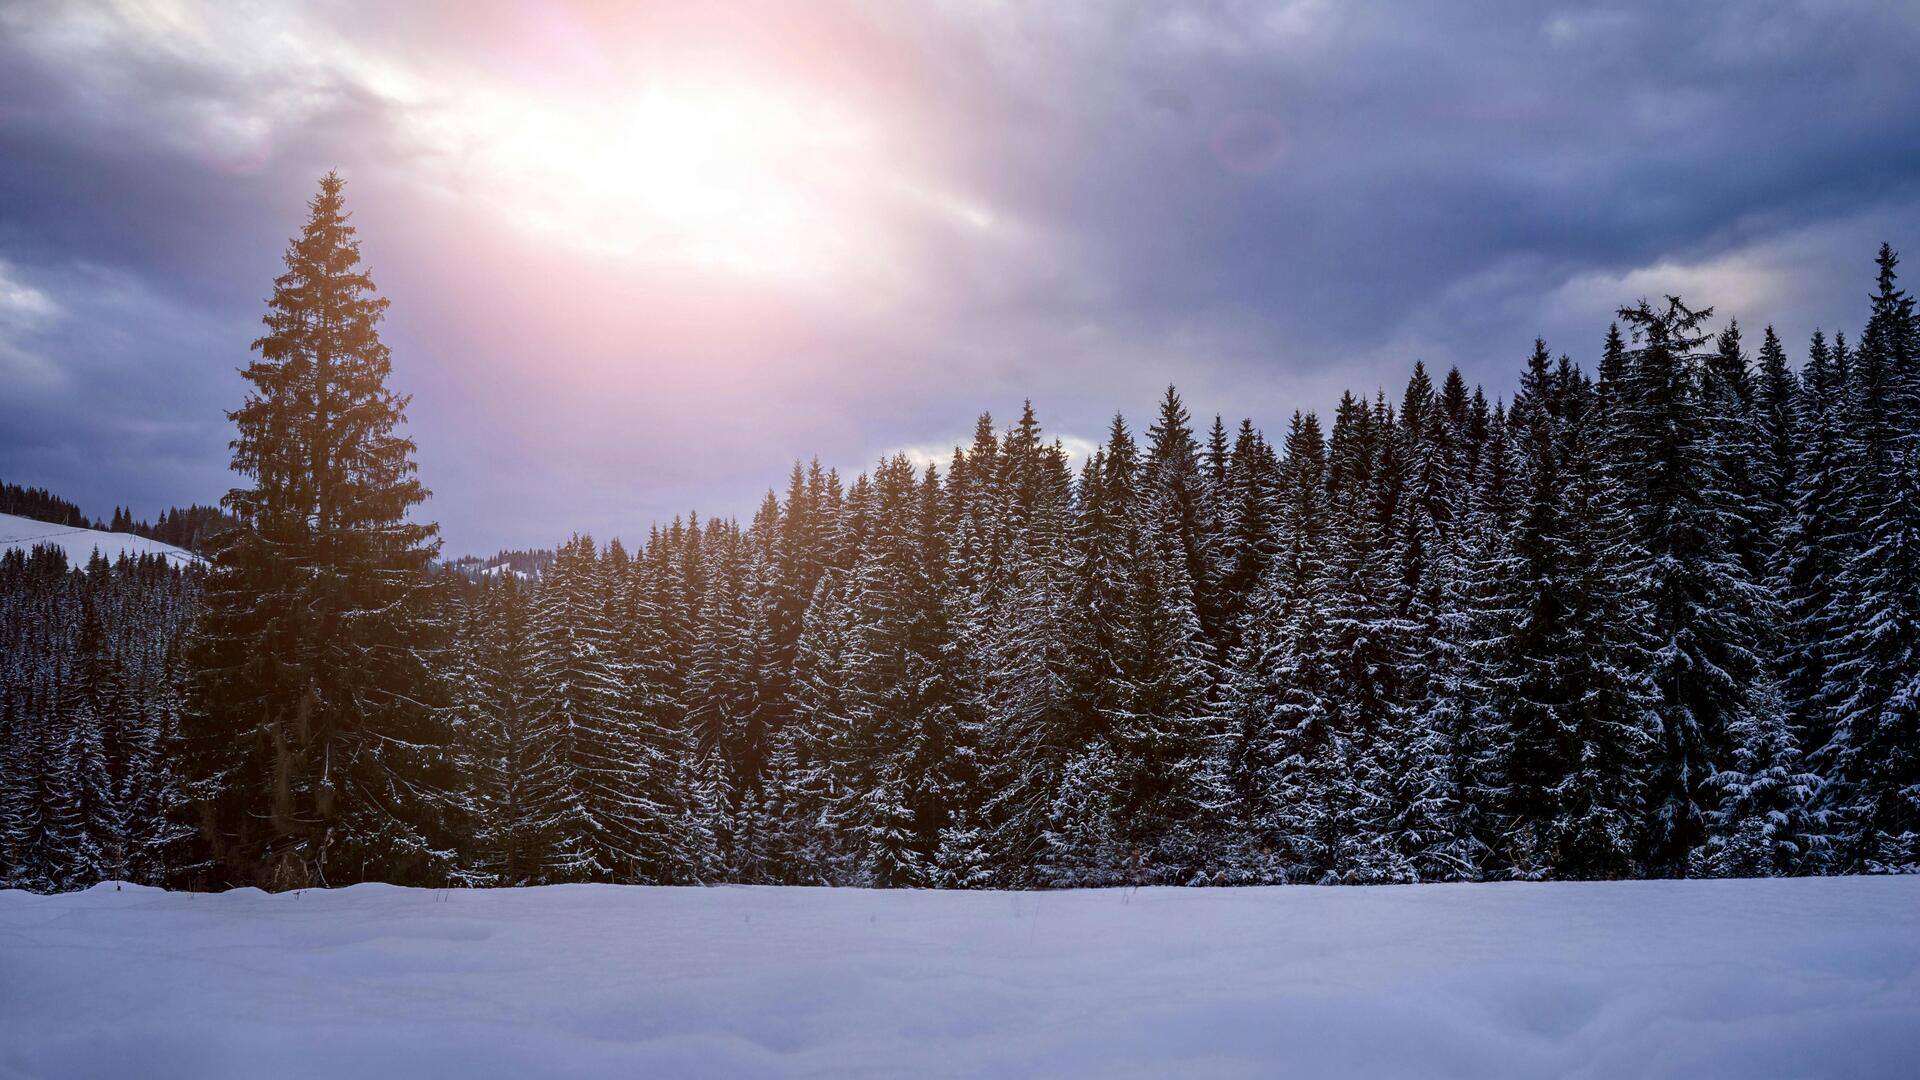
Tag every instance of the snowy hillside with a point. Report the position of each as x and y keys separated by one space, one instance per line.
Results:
x=26 y=533
x=1713 y=978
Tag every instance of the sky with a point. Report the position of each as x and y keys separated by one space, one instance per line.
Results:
x=644 y=256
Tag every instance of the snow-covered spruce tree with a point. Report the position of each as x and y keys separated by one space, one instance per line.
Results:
x=923 y=719
x=32 y=630
x=1776 y=472
x=1764 y=823
x=792 y=546
x=1104 y=522
x=1367 y=649
x=87 y=823
x=756 y=834
x=1761 y=823
x=1567 y=670
x=314 y=754
x=1241 y=768
x=606 y=822
x=724 y=699
x=1180 y=502
x=1081 y=845
x=785 y=835
x=690 y=787
x=1247 y=498
x=1706 y=618
x=1816 y=542
x=1162 y=729
x=154 y=611
x=1267 y=765
x=880 y=733
x=830 y=712
x=1434 y=784
x=1728 y=403
x=1474 y=633
x=1871 y=694
x=978 y=493
x=22 y=809
x=1031 y=726
x=74 y=794
x=645 y=655
x=517 y=790
x=953 y=696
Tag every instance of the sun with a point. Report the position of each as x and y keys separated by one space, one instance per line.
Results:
x=747 y=178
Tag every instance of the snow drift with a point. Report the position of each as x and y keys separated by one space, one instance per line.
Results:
x=1732 y=978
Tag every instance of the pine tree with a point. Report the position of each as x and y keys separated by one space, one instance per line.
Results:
x=1180 y=501
x=1567 y=671
x=1707 y=619
x=1104 y=531
x=830 y=714
x=1163 y=724
x=1274 y=719
x=1032 y=726
x=1776 y=452
x=519 y=791
x=315 y=754
x=1764 y=824
x=1872 y=689
x=1817 y=544
x=1081 y=845
x=607 y=821
x=23 y=806
x=1246 y=495
x=1366 y=648
x=1283 y=767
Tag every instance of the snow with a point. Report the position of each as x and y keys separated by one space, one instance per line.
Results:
x=1712 y=978
x=27 y=534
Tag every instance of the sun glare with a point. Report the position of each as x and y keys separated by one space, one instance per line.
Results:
x=728 y=176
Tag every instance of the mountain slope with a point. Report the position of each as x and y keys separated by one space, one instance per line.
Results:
x=80 y=544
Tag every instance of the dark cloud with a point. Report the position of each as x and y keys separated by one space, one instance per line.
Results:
x=1261 y=202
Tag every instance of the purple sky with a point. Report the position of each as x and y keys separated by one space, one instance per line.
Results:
x=641 y=257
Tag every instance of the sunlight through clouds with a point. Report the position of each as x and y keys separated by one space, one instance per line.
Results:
x=755 y=179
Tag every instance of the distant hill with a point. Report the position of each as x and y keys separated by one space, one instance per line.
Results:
x=194 y=528
x=80 y=543
x=40 y=505
x=525 y=565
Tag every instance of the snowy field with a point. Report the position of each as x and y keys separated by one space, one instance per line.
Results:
x=1754 y=978
x=80 y=544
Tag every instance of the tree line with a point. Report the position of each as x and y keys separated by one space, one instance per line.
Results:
x=40 y=505
x=1659 y=618
x=193 y=528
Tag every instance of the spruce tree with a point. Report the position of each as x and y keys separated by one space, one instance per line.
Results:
x=518 y=789
x=315 y=752
x=1567 y=672
x=1707 y=619
x=1817 y=543
x=1872 y=689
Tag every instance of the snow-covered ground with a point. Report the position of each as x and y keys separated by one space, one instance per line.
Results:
x=26 y=533
x=1750 y=978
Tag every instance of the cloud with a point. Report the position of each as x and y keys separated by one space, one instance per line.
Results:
x=101 y=391
x=642 y=256
x=24 y=313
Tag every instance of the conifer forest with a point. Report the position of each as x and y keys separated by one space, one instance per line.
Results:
x=1649 y=610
